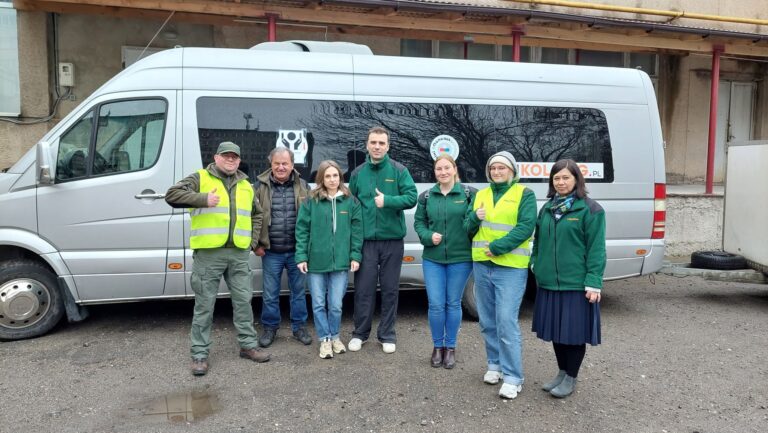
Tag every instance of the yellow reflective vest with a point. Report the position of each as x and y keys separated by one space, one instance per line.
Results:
x=210 y=225
x=500 y=219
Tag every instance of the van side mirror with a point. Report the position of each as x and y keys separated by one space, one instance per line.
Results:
x=44 y=163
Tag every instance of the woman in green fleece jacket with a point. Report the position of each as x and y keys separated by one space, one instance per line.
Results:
x=568 y=260
x=329 y=240
x=447 y=256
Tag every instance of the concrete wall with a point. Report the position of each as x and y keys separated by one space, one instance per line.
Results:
x=694 y=222
x=15 y=140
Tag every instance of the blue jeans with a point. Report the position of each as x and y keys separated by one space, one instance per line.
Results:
x=272 y=265
x=331 y=286
x=498 y=292
x=445 y=287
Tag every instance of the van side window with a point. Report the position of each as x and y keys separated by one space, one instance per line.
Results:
x=127 y=136
x=72 y=159
x=536 y=135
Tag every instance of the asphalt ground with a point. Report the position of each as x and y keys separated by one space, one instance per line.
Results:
x=679 y=354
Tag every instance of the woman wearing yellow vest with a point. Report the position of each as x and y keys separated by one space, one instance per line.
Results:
x=504 y=216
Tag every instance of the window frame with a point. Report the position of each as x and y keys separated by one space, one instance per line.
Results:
x=96 y=109
x=17 y=103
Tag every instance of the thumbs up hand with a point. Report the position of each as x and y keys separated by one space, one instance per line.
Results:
x=379 y=199
x=480 y=212
x=213 y=198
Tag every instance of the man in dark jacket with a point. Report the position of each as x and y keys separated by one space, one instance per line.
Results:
x=385 y=188
x=226 y=221
x=280 y=191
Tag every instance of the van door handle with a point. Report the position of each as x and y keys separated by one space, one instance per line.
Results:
x=152 y=195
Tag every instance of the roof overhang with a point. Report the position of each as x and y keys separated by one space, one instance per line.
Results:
x=432 y=20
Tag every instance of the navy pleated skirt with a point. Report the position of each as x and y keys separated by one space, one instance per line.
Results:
x=566 y=317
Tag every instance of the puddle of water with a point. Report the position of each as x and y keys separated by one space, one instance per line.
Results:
x=189 y=407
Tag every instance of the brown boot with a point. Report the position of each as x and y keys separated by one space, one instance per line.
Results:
x=199 y=366
x=449 y=360
x=437 y=357
x=254 y=354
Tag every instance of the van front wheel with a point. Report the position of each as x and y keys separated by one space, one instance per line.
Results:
x=30 y=300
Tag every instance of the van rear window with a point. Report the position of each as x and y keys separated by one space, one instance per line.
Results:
x=317 y=130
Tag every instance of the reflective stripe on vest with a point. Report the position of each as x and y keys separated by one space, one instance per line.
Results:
x=500 y=219
x=210 y=225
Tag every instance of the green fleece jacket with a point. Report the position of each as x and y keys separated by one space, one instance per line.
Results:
x=186 y=194
x=329 y=233
x=569 y=254
x=444 y=214
x=526 y=220
x=395 y=182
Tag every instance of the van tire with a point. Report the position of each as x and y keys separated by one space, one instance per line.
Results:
x=717 y=260
x=468 y=299
x=31 y=289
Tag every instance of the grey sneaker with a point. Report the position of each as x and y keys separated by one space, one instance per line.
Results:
x=267 y=337
x=565 y=388
x=549 y=386
x=302 y=335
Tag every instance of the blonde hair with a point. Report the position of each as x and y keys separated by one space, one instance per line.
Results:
x=450 y=159
x=319 y=192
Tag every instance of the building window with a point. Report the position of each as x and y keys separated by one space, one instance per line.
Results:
x=645 y=62
x=415 y=48
x=525 y=53
x=600 y=58
x=10 y=97
x=558 y=56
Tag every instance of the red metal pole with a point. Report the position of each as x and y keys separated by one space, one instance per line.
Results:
x=713 y=98
x=272 y=27
x=516 y=45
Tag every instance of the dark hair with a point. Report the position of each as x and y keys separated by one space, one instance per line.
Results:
x=377 y=130
x=319 y=192
x=580 y=187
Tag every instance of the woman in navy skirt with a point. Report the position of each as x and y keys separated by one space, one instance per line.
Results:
x=568 y=260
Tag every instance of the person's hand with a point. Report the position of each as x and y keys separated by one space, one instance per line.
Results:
x=354 y=265
x=480 y=212
x=379 y=199
x=488 y=253
x=302 y=267
x=437 y=238
x=592 y=297
x=213 y=198
x=259 y=251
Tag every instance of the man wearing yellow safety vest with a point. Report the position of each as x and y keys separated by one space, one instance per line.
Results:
x=503 y=216
x=226 y=221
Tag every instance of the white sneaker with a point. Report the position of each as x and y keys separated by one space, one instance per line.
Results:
x=326 y=352
x=355 y=344
x=388 y=347
x=509 y=391
x=492 y=377
x=338 y=346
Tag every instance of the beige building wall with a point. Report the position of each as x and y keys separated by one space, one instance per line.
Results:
x=15 y=140
x=685 y=111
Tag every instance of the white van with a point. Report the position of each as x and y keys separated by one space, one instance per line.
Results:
x=82 y=215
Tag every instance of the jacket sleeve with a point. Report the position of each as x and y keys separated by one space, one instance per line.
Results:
x=303 y=220
x=356 y=241
x=526 y=222
x=186 y=193
x=535 y=249
x=407 y=189
x=257 y=217
x=594 y=229
x=421 y=222
x=471 y=221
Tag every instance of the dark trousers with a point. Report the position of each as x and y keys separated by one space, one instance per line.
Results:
x=569 y=357
x=382 y=261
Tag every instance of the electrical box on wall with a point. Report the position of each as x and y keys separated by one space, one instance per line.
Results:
x=66 y=74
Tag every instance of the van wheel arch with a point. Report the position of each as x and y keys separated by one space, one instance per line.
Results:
x=31 y=302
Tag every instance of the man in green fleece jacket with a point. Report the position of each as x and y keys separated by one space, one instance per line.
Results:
x=384 y=188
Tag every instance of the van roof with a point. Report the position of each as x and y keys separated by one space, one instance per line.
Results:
x=372 y=76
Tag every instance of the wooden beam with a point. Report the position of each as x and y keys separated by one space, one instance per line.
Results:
x=448 y=16
x=397 y=23
x=385 y=11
